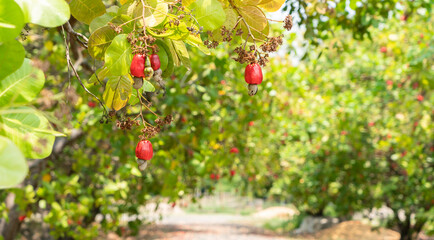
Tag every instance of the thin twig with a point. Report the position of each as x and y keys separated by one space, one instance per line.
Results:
x=143 y=16
x=149 y=109
x=83 y=41
x=272 y=20
x=141 y=108
x=125 y=23
x=71 y=65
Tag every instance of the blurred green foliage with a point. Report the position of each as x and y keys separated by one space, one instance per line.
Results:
x=341 y=130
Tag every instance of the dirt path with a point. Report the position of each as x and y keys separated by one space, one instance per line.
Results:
x=184 y=226
x=177 y=224
x=207 y=232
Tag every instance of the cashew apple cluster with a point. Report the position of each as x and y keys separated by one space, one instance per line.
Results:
x=146 y=68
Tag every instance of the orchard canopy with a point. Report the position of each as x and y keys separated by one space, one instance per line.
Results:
x=107 y=105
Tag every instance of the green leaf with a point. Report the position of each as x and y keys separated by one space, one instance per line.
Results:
x=231 y=20
x=174 y=32
x=47 y=13
x=13 y=166
x=157 y=16
x=118 y=20
x=182 y=53
x=353 y=4
x=101 y=21
x=172 y=52
x=86 y=10
x=166 y=67
x=101 y=73
x=130 y=9
x=117 y=91
x=133 y=99
x=118 y=56
x=209 y=13
x=11 y=57
x=162 y=54
x=11 y=20
x=148 y=87
x=29 y=130
x=196 y=41
x=22 y=86
x=99 y=41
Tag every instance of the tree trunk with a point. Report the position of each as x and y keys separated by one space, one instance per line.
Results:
x=10 y=229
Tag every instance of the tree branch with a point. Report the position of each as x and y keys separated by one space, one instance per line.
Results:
x=77 y=36
x=70 y=64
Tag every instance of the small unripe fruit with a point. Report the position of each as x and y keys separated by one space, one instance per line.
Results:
x=138 y=65
x=155 y=61
x=253 y=76
x=148 y=73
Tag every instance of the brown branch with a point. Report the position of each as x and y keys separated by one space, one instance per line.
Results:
x=71 y=65
x=77 y=36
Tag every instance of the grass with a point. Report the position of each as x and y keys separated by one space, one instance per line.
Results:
x=198 y=208
x=281 y=226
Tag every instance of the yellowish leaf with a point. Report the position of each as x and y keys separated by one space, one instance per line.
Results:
x=254 y=17
x=240 y=3
x=118 y=91
x=271 y=5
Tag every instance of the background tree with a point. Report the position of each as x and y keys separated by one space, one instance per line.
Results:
x=346 y=115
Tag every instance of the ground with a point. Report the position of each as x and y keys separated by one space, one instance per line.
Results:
x=211 y=226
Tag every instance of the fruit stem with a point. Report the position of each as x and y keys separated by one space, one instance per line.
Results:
x=125 y=23
x=146 y=106
x=143 y=16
